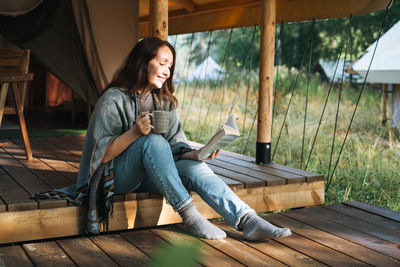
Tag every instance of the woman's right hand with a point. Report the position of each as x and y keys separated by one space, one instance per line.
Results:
x=142 y=125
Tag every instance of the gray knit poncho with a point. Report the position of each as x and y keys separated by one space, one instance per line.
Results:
x=114 y=114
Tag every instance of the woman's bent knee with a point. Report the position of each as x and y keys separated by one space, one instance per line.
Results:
x=194 y=168
x=148 y=142
x=155 y=139
x=155 y=143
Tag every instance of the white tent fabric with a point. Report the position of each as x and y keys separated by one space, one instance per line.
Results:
x=207 y=70
x=329 y=68
x=385 y=67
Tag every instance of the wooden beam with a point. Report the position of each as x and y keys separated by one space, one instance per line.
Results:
x=46 y=223
x=247 y=13
x=218 y=15
x=159 y=19
x=265 y=91
x=188 y=5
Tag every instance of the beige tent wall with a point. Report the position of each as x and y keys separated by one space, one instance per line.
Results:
x=114 y=31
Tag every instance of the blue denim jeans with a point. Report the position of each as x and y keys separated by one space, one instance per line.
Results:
x=147 y=165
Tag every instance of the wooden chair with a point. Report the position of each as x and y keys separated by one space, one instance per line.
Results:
x=14 y=65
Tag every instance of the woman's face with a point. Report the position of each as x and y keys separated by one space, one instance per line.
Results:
x=158 y=69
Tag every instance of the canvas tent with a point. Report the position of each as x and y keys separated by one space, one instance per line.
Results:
x=333 y=70
x=206 y=70
x=385 y=67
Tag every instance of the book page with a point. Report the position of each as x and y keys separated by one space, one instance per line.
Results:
x=224 y=136
x=231 y=122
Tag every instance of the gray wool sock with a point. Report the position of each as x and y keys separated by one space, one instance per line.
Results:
x=256 y=228
x=197 y=225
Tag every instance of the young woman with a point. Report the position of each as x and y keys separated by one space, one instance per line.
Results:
x=121 y=146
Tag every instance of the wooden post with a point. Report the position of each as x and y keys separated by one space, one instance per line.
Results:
x=384 y=103
x=159 y=18
x=265 y=93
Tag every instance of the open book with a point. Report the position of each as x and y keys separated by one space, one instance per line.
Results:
x=224 y=136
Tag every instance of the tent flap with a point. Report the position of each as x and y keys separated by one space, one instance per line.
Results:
x=51 y=34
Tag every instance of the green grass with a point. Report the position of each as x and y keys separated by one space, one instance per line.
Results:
x=368 y=169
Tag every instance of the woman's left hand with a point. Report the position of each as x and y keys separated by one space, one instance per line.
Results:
x=194 y=155
x=213 y=155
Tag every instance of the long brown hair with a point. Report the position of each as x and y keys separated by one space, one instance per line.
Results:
x=133 y=73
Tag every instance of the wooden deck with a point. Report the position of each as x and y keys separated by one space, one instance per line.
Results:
x=352 y=233
x=56 y=163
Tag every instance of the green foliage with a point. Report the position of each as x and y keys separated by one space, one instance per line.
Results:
x=185 y=254
x=364 y=31
x=293 y=41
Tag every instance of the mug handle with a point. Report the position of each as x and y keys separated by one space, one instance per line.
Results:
x=151 y=114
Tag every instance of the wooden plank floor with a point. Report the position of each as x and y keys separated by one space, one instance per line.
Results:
x=346 y=234
x=56 y=164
